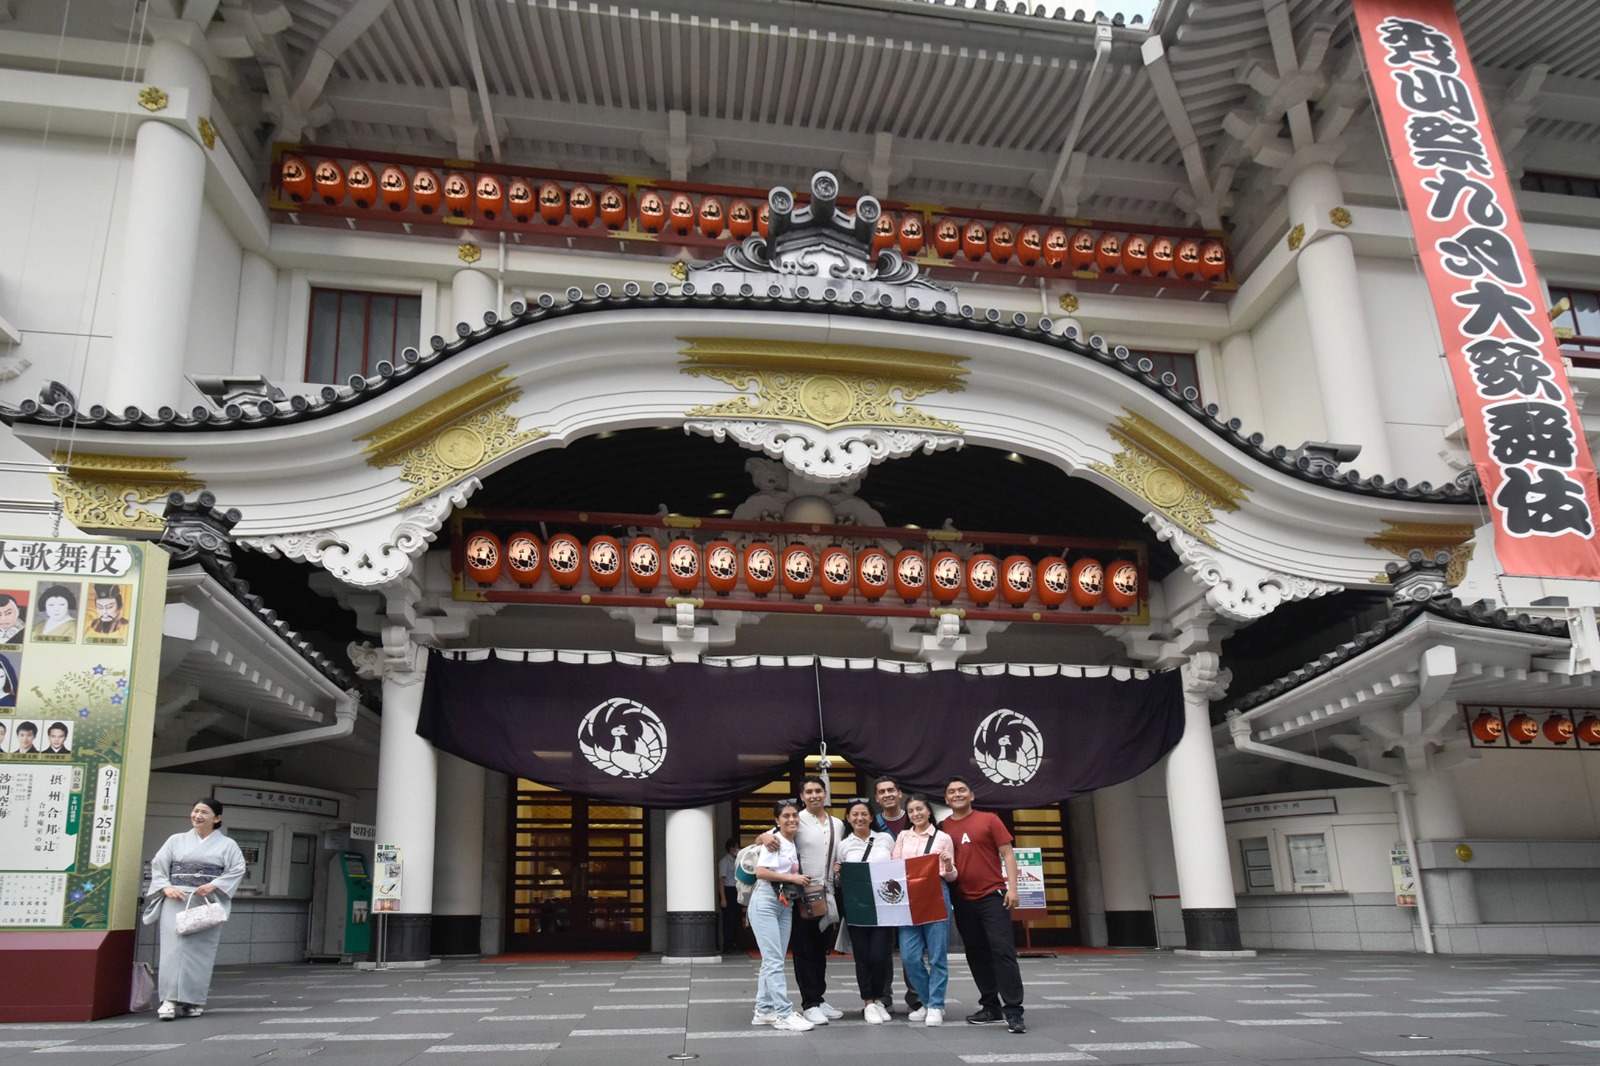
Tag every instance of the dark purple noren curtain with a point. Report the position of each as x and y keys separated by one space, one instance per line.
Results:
x=688 y=734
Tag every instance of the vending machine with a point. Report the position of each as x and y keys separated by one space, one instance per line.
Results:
x=346 y=928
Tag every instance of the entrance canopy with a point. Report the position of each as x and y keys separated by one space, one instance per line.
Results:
x=657 y=733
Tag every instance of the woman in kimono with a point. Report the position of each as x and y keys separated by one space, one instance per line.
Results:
x=202 y=862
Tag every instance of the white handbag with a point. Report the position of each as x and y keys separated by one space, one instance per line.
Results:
x=198 y=919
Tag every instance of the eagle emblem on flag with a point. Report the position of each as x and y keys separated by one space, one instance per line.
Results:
x=891 y=892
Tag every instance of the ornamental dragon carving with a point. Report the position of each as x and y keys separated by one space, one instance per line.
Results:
x=1236 y=589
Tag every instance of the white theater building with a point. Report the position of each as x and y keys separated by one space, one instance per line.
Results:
x=1238 y=387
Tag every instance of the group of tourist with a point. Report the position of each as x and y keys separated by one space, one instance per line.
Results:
x=803 y=860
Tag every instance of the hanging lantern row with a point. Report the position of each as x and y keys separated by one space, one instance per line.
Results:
x=491 y=197
x=1559 y=729
x=836 y=571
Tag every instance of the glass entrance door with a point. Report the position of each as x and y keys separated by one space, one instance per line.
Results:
x=577 y=874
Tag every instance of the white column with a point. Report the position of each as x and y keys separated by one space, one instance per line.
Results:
x=472 y=292
x=160 y=245
x=691 y=845
x=458 y=856
x=407 y=800
x=1340 y=344
x=1129 y=918
x=257 y=312
x=1242 y=381
x=1451 y=894
x=1194 y=805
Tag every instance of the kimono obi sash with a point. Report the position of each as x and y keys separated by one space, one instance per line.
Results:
x=194 y=874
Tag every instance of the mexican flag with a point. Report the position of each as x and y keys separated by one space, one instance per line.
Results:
x=892 y=892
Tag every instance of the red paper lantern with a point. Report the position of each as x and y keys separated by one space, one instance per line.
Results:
x=564 y=559
x=520 y=200
x=947 y=238
x=457 y=194
x=837 y=569
x=330 y=181
x=1002 y=242
x=552 y=202
x=581 y=205
x=1108 y=252
x=799 y=570
x=605 y=562
x=1162 y=256
x=884 y=233
x=946 y=576
x=490 y=197
x=294 y=177
x=983 y=579
x=911 y=234
x=683 y=564
x=1054 y=581
x=760 y=569
x=680 y=213
x=974 y=239
x=1589 y=730
x=484 y=558
x=1122 y=584
x=763 y=218
x=425 y=190
x=741 y=219
x=1213 y=261
x=1187 y=255
x=1558 y=729
x=644 y=563
x=613 y=207
x=1030 y=245
x=395 y=188
x=1016 y=580
x=1057 y=243
x=1088 y=580
x=363 y=184
x=722 y=567
x=1488 y=728
x=652 y=211
x=873 y=567
x=712 y=217
x=1136 y=254
x=1080 y=253
x=910 y=575
x=525 y=559
x=1522 y=729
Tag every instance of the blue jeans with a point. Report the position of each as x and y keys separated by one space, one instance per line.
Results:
x=929 y=981
x=771 y=920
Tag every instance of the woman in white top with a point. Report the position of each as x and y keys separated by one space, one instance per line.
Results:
x=869 y=944
x=922 y=838
x=772 y=917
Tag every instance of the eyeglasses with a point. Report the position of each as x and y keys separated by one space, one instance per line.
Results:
x=859 y=799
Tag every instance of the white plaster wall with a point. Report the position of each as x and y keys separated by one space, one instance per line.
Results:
x=1359 y=837
x=1291 y=404
x=216 y=301
x=1531 y=795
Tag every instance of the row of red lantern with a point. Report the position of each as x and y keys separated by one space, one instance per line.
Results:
x=489 y=197
x=836 y=570
x=1558 y=729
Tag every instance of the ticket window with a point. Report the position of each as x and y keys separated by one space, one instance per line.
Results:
x=256 y=846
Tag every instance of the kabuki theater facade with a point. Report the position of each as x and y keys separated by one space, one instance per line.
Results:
x=499 y=448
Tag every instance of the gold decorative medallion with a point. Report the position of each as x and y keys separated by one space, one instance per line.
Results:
x=106 y=491
x=208 y=133
x=824 y=385
x=152 y=99
x=1297 y=236
x=1464 y=852
x=1170 y=476
x=1398 y=538
x=1068 y=302
x=1340 y=216
x=680 y=271
x=468 y=252
x=452 y=435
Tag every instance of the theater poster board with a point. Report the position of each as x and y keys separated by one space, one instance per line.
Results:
x=80 y=643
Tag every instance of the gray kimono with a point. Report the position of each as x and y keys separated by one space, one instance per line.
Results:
x=186 y=861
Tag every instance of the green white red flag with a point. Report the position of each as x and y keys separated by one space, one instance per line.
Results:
x=893 y=892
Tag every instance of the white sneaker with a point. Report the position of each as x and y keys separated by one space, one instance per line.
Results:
x=815 y=1015
x=167 y=1011
x=874 y=1014
x=917 y=1015
x=830 y=1010
x=763 y=1017
x=794 y=1023
x=935 y=1016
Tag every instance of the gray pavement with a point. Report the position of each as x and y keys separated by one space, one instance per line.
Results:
x=1329 y=1008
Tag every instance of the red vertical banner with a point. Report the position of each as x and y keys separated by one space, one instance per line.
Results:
x=1522 y=425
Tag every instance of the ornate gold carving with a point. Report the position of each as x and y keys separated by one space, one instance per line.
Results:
x=825 y=385
x=1170 y=476
x=1068 y=302
x=152 y=99
x=1398 y=538
x=680 y=271
x=208 y=133
x=1297 y=236
x=1340 y=216
x=105 y=491
x=468 y=252
x=450 y=436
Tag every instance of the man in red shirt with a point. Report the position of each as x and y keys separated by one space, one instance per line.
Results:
x=984 y=897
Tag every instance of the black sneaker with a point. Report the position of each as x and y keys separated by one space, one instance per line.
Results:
x=984 y=1016
x=1016 y=1025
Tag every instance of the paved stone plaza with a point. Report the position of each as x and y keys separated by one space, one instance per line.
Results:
x=1327 y=1008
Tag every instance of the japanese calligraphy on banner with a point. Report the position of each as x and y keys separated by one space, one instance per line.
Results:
x=1522 y=425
